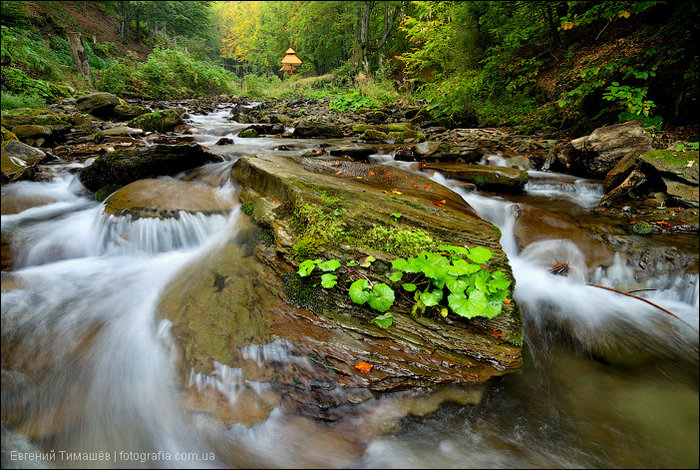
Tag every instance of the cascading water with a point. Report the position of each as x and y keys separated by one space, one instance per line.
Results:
x=99 y=367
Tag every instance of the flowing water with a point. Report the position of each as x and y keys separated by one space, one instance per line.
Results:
x=609 y=381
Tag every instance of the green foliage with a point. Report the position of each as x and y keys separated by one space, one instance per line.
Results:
x=445 y=280
x=631 y=97
x=13 y=101
x=353 y=101
x=166 y=74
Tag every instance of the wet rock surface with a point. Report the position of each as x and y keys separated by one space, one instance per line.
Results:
x=323 y=333
x=484 y=177
x=163 y=198
x=124 y=166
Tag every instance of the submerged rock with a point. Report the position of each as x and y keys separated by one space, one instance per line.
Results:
x=121 y=167
x=495 y=178
x=246 y=302
x=163 y=198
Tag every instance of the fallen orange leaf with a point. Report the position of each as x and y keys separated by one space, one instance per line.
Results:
x=506 y=301
x=274 y=202
x=415 y=186
x=396 y=192
x=494 y=333
x=337 y=164
x=387 y=175
x=339 y=172
x=426 y=186
x=385 y=191
x=371 y=173
x=363 y=366
x=359 y=177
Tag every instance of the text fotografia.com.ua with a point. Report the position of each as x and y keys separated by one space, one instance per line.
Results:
x=117 y=456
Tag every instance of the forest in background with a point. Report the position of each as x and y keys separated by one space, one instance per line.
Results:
x=537 y=66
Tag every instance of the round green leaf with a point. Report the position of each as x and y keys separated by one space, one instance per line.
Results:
x=306 y=267
x=396 y=276
x=383 y=321
x=479 y=254
x=409 y=287
x=359 y=292
x=329 y=280
x=381 y=297
x=399 y=264
x=330 y=265
x=431 y=298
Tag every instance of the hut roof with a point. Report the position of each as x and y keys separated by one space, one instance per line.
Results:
x=290 y=51
x=291 y=59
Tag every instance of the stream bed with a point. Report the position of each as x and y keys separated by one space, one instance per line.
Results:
x=609 y=381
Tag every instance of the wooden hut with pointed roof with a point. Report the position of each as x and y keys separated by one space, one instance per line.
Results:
x=290 y=62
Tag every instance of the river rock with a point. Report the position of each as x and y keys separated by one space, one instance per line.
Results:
x=19 y=161
x=121 y=167
x=39 y=117
x=125 y=112
x=317 y=130
x=494 y=178
x=164 y=120
x=596 y=154
x=447 y=152
x=636 y=176
x=407 y=136
x=165 y=198
x=354 y=153
x=534 y=225
x=100 y=104
x=119 y=131
x=241 y=304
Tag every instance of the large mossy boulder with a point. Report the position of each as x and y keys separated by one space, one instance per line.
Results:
x=125 y=112
x=121 y=167
x=246 y=300
x=99 y=104
x=164 y=198
x=407 y=136
x=638 y=176
x=317 y=130
x=492 y=178
x=164 y=120
x=594 y=155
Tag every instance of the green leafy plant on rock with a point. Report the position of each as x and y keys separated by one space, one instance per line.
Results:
x=454 y=279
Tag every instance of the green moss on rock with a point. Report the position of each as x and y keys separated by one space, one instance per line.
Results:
x=248 y=133
x=373 y=135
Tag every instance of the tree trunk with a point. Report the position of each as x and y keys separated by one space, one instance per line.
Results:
x=364 y=34
x=77 y=53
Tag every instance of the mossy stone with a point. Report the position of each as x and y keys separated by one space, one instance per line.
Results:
x=373 y=135
x=248 y=133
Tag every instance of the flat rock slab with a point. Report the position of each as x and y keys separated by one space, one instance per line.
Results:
x=245 y=302
x=161 y=197
x=494 y=178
